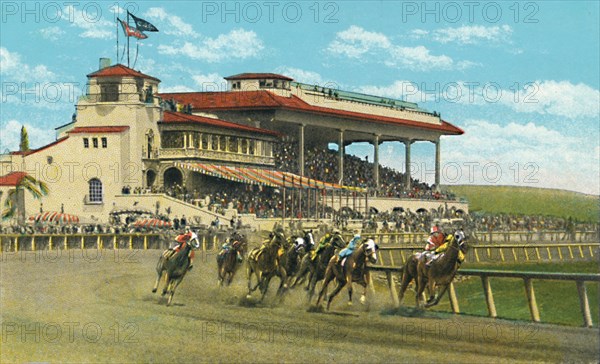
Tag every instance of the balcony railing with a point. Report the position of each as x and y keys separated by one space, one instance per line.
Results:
x=169 y=153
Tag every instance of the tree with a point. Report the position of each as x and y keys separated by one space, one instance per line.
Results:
x=24 y=145
x=15 y=199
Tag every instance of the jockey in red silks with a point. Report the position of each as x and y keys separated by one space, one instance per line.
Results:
x=183 y=239
x=436 y=238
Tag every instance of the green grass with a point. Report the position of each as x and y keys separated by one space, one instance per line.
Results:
x=529 y=201
x=558 y=301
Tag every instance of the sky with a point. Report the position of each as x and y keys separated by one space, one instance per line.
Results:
x=520 y=78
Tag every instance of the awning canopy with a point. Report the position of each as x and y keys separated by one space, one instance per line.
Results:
x=263 y=177
x=54 y=217
x=154 y=223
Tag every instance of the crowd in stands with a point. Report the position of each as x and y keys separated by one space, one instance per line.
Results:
x=323 y=165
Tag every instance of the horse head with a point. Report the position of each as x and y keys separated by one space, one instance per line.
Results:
x=309 y=239
x=337 y=241
x=370 y=250
x=460 y=239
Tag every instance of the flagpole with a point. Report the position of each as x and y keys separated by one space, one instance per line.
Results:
x=117 y=24
x=128 y=40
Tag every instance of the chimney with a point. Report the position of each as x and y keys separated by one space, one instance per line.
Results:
x=104 y=62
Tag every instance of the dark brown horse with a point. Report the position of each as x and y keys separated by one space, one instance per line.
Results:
x=264 y=263
x=352 y=269
x=174 y=268
x=294 y=253
x=227 y=261
x=315 y=268
x=441 y=271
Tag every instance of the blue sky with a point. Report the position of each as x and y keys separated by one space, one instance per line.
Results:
x=521 y=78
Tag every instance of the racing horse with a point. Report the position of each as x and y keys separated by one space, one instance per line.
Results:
x=227 y=263
x=175 y=267
x=439 y=272
x=348 y=270
x=293 y=255
x=315 y=268
x=264 y=263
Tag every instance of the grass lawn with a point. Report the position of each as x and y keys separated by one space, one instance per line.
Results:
x=558 y=301
x=529 y=201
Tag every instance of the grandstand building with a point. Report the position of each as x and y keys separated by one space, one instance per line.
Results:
x=128 y=136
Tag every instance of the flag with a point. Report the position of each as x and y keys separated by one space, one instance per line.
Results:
x=142 y=24
x=131 y=32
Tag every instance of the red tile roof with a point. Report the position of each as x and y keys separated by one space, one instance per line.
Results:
x=98 y=129
x=257 y=76
x=119 y=70
x=41 y=148
x=12 y=179
x=171 y=117
x=263 y=99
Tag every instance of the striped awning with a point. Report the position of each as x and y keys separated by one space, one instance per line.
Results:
x=154 y=223
x=54 y=217
x=263 y=177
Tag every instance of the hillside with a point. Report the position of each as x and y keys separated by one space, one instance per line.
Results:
x=530 y=201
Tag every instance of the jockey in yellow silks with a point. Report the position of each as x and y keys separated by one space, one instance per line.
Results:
x=447 y=242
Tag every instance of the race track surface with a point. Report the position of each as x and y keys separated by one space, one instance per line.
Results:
x=86 y=306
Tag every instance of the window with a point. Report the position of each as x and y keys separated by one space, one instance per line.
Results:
x=86 y=143
x=95 y=190
x=109 y=92
x=104 y=143
x=95 y=142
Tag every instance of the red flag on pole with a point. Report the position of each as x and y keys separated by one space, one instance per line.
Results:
x=130 y=31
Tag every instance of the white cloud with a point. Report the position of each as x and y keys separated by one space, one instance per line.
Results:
x=561 y=98
x=13 y=69
x=406 y=90
x=359 y=44
x=304 y=76
x=176 y=88
x=473 y=34
x=52 y=33
x=523 y=154
x=89 y=24
x=11 y=136
x=174 y=25
x=237 y=44
x=210 y=82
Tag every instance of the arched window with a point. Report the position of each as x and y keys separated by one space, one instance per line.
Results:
x=95 y=191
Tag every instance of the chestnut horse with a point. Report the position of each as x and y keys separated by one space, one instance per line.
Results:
x=348 y=270
x=263 y=262
x=439 y=272
x=228 y=264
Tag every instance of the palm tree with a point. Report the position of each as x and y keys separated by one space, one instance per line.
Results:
x=15 y=199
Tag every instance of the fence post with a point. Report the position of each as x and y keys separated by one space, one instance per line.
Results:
x=489 y=297
x=98 y=243
x=392 y=287
x=82 y=242
x=33 y=243
x=145 y=242
x=50 y=243
x=533 y=309
x=66 y=242
x=115 y=247
x=453 y=300
x=584 y=304
x=131 y=242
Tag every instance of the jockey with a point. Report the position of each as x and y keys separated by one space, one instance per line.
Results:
x=322 y=244
x=436 y=238
x=348 y=250
x=180 y=241
x=460 y=236
x=228 y=245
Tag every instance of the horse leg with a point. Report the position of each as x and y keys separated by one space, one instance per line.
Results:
x=167 y=282
x=439 y=296
x=367 y=279
x=283 y=284
x=174 y=285
x=160 y=274
x=265 y=286
x=431 y=288
x=340 y=285
x=328 y=278
x=406 y=278
x=420 y=289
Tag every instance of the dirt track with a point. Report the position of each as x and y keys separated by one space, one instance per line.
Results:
x=78 y=306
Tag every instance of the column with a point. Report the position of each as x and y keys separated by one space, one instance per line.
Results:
x=437 y=165
x=185 y=140
x=301 y=149
x=407 y=144
x=376 y=161
x=341 y=156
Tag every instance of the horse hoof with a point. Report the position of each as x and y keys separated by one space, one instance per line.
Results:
x=349 y=303
x=248 y=296
x=363 y=300
x=154 y=290
x=163 y=293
